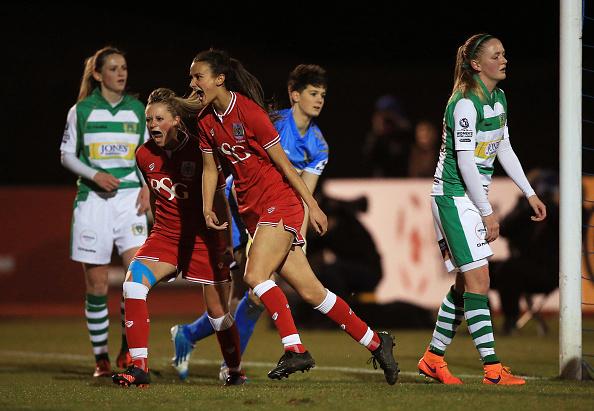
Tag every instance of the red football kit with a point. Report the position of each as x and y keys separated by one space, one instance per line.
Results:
x=179 y=235
x=241 y=135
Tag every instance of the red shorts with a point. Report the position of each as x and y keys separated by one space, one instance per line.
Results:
x=193 y=261
x=290 y=214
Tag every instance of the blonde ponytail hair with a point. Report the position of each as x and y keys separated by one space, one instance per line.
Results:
x=464 y=74
x=177 y=106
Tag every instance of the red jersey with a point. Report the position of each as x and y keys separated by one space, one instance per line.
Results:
x=175 y=177
x=241 y=135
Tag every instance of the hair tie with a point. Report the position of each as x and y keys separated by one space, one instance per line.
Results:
x=467 y=65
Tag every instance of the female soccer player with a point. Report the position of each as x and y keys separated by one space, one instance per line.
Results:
x=269 y=194
x=171 y=164
x=103 y=130
x=475 y=132
x=307 y=150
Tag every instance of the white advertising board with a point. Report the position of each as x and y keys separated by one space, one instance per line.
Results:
x=399 y=220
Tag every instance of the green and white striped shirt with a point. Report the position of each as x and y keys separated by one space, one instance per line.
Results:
x=106 y=138
x=470 y=124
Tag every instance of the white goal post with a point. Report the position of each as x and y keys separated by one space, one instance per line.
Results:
x=570 y=174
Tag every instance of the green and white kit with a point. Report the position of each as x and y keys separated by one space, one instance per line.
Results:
x=105 y=138
x=479 y=127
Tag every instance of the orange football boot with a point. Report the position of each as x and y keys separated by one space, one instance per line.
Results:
x=500 y=375
x=102 y=369
x=432 y=365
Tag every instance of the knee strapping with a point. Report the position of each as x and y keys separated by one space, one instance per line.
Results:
x=135 y=291
x=139 y=270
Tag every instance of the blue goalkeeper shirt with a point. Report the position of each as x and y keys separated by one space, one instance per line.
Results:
x=308 y=153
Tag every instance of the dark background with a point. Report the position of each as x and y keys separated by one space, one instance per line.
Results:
x=368 y=48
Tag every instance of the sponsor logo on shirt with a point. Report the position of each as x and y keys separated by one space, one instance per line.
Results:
x=188 y=168
x=486 y=149
x=271 y=209
x=212 y=132
x=229 y=150
x=66 y=135
x=176 y=190
x=464 y=123
x=492 y=148
x=104 y=151
x=464 y=135
x=151 y=166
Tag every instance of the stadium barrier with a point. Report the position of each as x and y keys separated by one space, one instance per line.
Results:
x=35 y=240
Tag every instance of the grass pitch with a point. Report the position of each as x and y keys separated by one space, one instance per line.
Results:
x=47 y=364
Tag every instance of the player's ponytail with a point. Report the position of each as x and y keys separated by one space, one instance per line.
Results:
x=177 y=106
x=464 y=74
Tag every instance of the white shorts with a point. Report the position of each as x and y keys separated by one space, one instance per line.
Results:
x=460 y=231
x=105 y=219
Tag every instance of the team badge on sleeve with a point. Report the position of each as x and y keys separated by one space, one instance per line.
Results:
x=238 y=131
x=464 y=123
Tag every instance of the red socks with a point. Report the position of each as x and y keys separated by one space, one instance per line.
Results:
x=137 y=330
x=339 y=311
x=136 y=322
x=230 y=347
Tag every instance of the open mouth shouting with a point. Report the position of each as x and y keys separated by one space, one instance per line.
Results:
x=199 y=95
x=156 y=135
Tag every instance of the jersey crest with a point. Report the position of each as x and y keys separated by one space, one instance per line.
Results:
x=501 y=119
x=238 y=131
x=130 y=128
x=188 y=168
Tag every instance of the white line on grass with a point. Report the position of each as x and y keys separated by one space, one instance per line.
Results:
x=74 y=357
